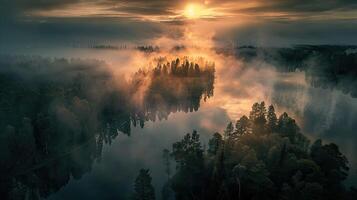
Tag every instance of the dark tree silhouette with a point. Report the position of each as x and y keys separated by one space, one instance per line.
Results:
x=188 y=154
x=171 y=90
x=333 y=165
x=271 y=120
x=215 y=143
x=242 y=126
x=54 y=127
x=229 y=132
x=167 y=162
x=143 y=189
x=258 y=117
x=262 y=164
x=333 y=66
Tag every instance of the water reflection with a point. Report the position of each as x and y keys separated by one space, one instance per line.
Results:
x=54 y=127
x=172 y=86
x=326 y=66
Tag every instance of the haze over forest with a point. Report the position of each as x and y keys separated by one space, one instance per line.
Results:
x=193 y=99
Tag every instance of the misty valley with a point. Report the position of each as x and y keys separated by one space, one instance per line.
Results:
x=78 y=128
x=178 y=100
x=55 y=126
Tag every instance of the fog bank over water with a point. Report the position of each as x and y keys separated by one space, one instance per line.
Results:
x=237 y=85
x=192 y=99
x=140 y=99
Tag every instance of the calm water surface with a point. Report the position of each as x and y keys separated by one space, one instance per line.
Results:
x=319 y=112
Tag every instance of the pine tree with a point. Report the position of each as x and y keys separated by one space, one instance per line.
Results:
x=272 y=119
x=143 y=189
x=167 y=163
x=287 y=127
x=188 y=151
x=257 y=118
x=229 y=131
x=242 y=126
x=166 y=191
x=214 y=144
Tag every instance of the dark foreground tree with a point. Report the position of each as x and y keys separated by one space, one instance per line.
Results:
x=261 y=158
x=258 y=118
x=215 y=143
x=242 y=126
x=189 y=180
x=271 y=119
x=143 y=189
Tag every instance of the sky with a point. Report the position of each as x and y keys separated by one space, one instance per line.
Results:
x=242 y=22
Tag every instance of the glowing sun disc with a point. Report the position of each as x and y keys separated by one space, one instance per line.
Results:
x=194 y=11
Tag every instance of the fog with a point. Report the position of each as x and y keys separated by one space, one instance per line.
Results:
x=93 y=93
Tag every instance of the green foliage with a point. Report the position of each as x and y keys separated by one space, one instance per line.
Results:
x=188 y=151
x=326 y=66
x=270 y=162
x=242 y=127
x=257 y=118
x=287 y=127
x=228 y=133
x=57 y=114
x=333 y=165
x=171 y=87
x=215 y=143
x=272 y=120
x=143 y=189
x=188 y=154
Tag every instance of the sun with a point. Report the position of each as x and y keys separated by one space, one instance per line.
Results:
x=194 y=11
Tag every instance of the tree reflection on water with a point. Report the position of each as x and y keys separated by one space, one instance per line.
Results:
x=54 y=127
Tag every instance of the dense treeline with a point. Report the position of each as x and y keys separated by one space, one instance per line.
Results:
x=326 y=66
x=258 y=157
x=48 y=109
x=171 y=87
x=56 y=115
x=148 y=49
x=180 y=67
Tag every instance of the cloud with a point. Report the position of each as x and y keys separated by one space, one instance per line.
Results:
x=282 y=32
x=13 y=8
x=302 y=6
x=163 y=8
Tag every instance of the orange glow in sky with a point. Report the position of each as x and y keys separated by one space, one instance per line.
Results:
x=195 y=11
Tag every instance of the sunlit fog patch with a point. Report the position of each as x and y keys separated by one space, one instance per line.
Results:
x=238 y=86
x=134 y=100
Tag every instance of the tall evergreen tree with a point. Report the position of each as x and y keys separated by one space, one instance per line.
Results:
x=257 y=117
x=188 y=151
x=271 y=119
x=143 y=189
x=214 y=144
x=228 y=133
x=268 y=166
x=188 y=154
x=167 y=163
x=242 y=126
x=287 y=127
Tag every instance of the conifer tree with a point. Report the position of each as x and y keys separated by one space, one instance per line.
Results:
x=143 y=189
x=271 y=119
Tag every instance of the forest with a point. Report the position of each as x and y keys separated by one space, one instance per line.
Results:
x=178 y=99
x=260 y=156
x=54 y=127
x=326 y=66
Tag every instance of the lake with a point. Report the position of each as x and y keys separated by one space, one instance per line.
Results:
x=84 y=127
